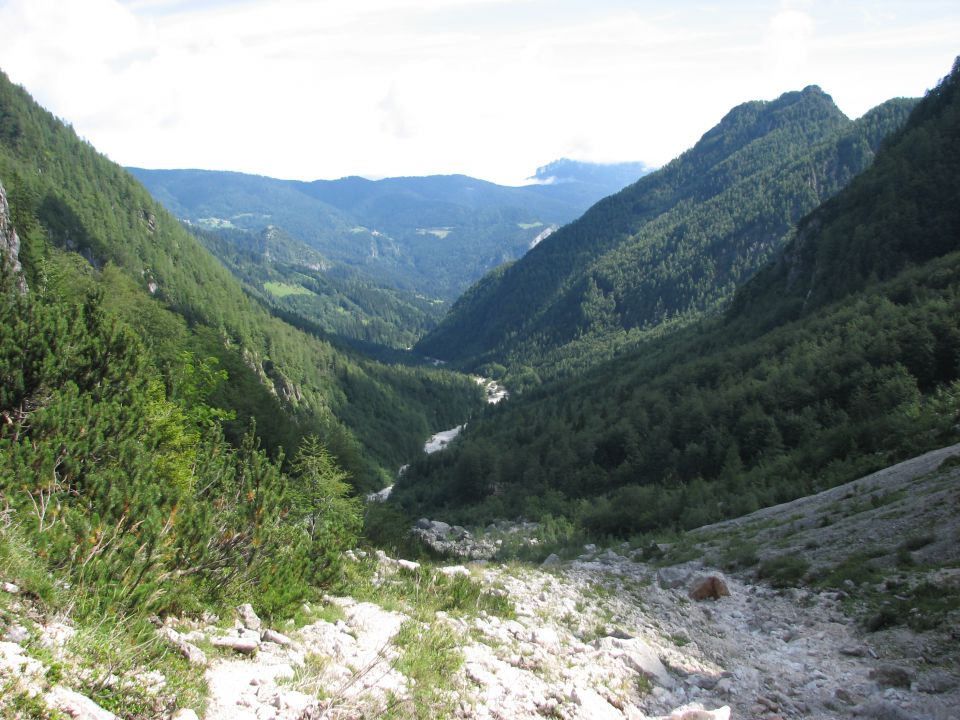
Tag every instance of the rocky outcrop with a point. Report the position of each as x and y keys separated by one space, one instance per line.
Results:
x=10 y=243
x=453 y=541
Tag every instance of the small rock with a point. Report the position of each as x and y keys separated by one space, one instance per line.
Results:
x=674 y=577
x=891 y=676
x=454 y=571
x=881 y=710
x=936 y=682
x=709 y=587
x=245 y=645
x=853 y=651
x=844 y=696
x=9 y=587
x=609 y=557
x=593 y=705
x=248 y=617
x=193 y=654
x=408 y=565
x=546 y=637
x=638 y=656
x=552 y=560
x=17 y=634
x=704 y=682
x=696 y=711
x=767 y=703
x=438 y=527
x=273 y=636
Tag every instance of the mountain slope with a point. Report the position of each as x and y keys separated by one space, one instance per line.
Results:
x=756 y=407
x=69 y=202
x=308 y=291
x=671 y=247
x=433 y=235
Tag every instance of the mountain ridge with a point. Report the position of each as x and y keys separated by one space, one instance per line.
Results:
x=433 y=235
x=724 y=205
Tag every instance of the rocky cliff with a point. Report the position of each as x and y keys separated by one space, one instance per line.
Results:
x=9 y=242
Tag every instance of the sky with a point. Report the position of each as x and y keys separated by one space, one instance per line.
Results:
x=309 y=89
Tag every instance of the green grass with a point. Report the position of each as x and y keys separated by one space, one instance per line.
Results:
x=856 y=569
x=308 y=678
x=282 y=290
x=924 y=607
x=427 y=591
x=105 y=646
x=127 y=647
x=430 y=658
x=17 y=704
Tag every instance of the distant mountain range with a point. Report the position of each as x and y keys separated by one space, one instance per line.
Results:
x=430 y=235
x=92 y=235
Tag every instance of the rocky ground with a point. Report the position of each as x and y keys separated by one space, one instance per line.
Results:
x=619 y=632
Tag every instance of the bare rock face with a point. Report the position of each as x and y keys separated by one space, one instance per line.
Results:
x=10 y=242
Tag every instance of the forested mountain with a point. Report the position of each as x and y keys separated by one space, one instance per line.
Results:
x=433 y=235
x=668 y=249
x=307 y=290
x=839 y=358
x=89 y=229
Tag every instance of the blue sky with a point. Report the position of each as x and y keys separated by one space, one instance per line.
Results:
x=493 y=88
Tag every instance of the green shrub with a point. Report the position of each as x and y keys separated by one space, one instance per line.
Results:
x=783 y=571
x=856 y=569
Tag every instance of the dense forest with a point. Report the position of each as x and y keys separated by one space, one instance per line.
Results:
x=119 y=479
x=839 y=358
x=667 y=250
x=298 y=284
x=88 y=227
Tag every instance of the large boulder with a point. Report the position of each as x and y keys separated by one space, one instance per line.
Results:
x=709 y=586
x=676 y=576
x=638 y=656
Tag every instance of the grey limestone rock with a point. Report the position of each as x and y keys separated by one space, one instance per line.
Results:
x=248 y=617
x=75 y=705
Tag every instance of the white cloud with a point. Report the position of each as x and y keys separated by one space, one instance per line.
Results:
x=788 y=43
x=494 y=88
